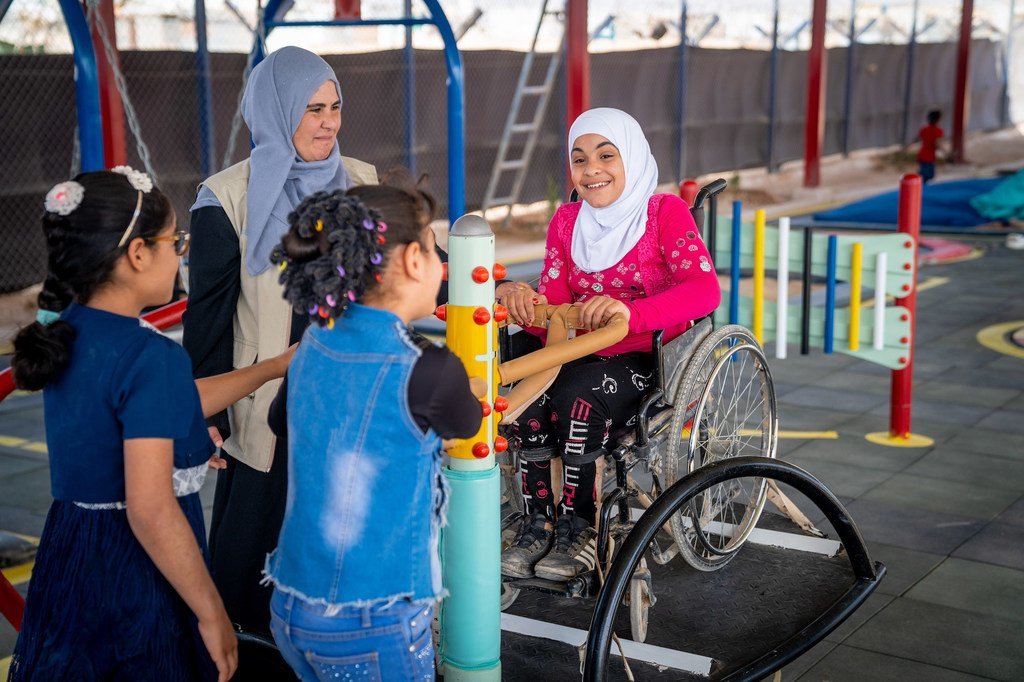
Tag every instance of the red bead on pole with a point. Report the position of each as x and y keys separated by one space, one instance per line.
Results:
x=500 y=403
x=444 y=271
x=481 y=450
x=500 y=444
x=500 y=271
x=500 y=313
x=486 y=407
x=480 y=274
x=441 y=312
x=481 y=315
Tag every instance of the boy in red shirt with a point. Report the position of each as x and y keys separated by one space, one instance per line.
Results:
x=929 y=136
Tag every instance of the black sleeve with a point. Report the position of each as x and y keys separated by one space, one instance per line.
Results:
x=214 y=286
x=439 y=394
x=442 y=294
x=277 y=418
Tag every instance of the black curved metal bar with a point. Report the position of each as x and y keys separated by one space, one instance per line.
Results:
x=253 y=638
x=867 y=573
x=709 y=190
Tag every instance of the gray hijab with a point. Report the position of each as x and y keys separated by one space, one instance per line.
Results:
x=274 y=102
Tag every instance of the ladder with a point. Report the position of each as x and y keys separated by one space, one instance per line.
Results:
x=541 y=92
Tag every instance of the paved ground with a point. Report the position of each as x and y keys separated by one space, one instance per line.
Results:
x=947 y=520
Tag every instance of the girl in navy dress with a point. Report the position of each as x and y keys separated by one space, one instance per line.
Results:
x=120 y=589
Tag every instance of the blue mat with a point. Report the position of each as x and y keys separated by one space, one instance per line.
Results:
x=943 y=205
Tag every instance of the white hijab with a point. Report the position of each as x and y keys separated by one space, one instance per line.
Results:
x=604 y=235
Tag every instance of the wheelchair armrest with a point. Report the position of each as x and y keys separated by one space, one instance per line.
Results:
x=671 y=357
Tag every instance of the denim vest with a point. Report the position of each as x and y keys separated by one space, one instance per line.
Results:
x=366 y=498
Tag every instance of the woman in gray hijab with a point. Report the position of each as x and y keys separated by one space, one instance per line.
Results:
x=236 y=311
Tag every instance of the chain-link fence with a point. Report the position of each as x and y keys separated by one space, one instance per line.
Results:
x=395 y=108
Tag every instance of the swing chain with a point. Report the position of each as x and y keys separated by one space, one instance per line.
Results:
x=259 y=42
x=92 y=7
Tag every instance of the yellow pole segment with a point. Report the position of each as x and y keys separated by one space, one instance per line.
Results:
x=759 y=219
x=856 y=265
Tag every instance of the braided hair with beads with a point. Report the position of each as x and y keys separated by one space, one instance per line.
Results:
x=338 y=246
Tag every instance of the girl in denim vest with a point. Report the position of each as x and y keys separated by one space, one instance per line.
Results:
x=622 y=249
x=365 y=406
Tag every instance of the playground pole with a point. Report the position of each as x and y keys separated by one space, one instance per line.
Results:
x=814 y=126
x=909 y=80
x=409 y=81
x=87 y=102
x=773 y=81
x=681 y=95
x=908 y=223
x=961 y=108
x=577 y=65
x=204 y=93
x=471 y=542
x=114 y=148
x=848 y=87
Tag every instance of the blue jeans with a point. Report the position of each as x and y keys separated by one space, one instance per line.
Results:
x=370 y=644
x=926 y=171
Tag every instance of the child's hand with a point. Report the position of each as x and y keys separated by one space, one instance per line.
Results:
x=519 y=298
x=597 y=310
x=478 y=387
x=219 y=638
x=282 y=361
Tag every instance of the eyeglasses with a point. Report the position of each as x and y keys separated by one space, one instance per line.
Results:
x=179 y=240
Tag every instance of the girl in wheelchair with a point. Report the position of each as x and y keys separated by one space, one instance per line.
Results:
x=622 y=249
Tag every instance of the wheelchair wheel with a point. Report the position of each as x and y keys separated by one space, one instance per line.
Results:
x=726 y=409
x=641 y=599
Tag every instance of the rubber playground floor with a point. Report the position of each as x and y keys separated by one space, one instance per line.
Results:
x=946 y=519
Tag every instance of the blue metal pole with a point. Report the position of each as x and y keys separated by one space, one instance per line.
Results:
x=734 y=264
x=681 y=96
x=204 y=92
x=1004 y=112
x=830 y=293
x=848 y=88
x=409 y=80
x=87 y=87
x=773 y=77
x=908 y=83
x=456 y=114
x=4 y=6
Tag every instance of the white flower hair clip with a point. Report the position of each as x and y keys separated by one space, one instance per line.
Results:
x=137 y=179
x=64 y=198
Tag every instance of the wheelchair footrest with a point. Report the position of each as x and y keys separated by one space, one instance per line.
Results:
x=583 y=585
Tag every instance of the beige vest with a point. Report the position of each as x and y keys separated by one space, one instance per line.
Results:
x=263 y=319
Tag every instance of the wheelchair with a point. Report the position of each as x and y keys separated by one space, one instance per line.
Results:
x=711 y=399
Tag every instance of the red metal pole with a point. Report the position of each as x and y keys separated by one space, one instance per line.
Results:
x=111 y=107
x=961 y=103
x=908 y=223
x=347 y=9
x=12 y=606
x=814 y=122
x=577 y=64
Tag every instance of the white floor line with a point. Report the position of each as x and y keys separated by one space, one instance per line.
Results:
x=635 y=651
x=776 y=538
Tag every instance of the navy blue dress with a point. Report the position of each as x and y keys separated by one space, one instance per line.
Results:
x=97 y=606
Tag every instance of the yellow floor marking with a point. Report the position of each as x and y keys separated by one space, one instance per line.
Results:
x=975 y=253
x=5 y=667
x=35 y=447
x=11 y=441
x=914 y=440
x=822 y=435
x=19 y=574
x=995 y=336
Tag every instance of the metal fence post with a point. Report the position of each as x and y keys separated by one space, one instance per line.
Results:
x=204 y=93
x=909 y=82
x=773 y=82
x=681 y=99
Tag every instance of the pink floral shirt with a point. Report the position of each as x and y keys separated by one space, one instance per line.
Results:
x=666 y=280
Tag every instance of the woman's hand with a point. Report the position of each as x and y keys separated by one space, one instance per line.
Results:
x=597 y=310
x=519 y=298
x=220 y=640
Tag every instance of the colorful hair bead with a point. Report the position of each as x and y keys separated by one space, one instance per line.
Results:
x=376 y=258
x=380 y=239
x=324 y=313
x=282 y=265
x=382 y=226
x=313 y=308
x=367 y=224
x=341 y=271
x=377 y=277
x=351 y=296
x=319 y=226
x=330 y=323
x=331 y=301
